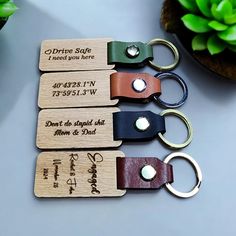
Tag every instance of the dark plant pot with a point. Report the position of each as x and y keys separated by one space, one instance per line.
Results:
x=2 y=23
x=222 y=64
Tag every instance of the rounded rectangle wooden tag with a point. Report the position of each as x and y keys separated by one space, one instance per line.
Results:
x=76 y=128
x=77 y=174
x=74 y=54
x=75 y=89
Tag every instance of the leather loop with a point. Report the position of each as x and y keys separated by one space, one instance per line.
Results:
x=122 y=85
x=125 y=128
x=129 y=173
x=117 y=53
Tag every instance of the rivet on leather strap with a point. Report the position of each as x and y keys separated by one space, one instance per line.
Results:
x=137 y=125
x=129 y=174
x=123 y=85
x=130 y=53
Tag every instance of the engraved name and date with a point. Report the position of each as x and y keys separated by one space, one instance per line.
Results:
x=94 y=160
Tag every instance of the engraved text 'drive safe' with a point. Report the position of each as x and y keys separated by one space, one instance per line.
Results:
x=100 y=54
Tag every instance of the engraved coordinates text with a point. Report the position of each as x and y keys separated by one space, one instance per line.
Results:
x=73 y=89
x=96 y=158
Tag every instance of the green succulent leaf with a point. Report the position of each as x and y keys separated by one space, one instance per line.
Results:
x=7 y=9
x=232 y=48
x=224 y=8
x=215 y=1
x=215 y=13
x=196 y=23
x=216 y=25
x=3 y=1
x=215 y=45
x=214 y=21
x=232 y=42
x=189 y=5
x=199 y=42
x=205 y=7
x=228 y=34
x=230 y=20
x=233 y=2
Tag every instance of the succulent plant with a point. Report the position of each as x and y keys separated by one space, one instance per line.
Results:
x=213 y=21
x=7 y=8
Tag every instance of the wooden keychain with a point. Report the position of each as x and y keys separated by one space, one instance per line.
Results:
x=104 y=88
x=103 y=127
x=105 y=174
x=100 y=54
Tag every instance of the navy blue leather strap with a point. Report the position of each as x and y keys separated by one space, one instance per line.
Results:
x=124 y=124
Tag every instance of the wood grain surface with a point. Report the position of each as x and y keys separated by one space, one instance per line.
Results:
x=77 y=174
x=76 y=128
x=75 y=89
x=74 y=54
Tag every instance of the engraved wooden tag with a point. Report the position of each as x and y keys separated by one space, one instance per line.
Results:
x=75 y=89
x=77 y=174
x=76 y=128
x=74 y=54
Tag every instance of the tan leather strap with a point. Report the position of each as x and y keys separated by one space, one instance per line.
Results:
x=122 y=85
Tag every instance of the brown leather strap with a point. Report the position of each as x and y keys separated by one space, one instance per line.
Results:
x=122 y=85
x=129 y=173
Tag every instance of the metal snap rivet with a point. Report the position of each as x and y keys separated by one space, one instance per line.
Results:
x=148 y=173
x=139 y=85
x=132 y=51
x=142 y=123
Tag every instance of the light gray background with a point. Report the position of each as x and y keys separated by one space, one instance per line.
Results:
x=211 y=108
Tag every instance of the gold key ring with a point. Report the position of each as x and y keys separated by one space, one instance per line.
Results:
x=197 y=172
x=173 y=49
x=188 y=126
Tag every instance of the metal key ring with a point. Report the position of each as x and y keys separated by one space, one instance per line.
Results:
x=173 y=49
x=197 y=172
x=188 y=126
x=181 y=82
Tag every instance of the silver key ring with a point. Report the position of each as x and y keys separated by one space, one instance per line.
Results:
x=197 y=172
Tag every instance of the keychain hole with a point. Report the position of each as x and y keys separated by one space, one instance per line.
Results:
x=170 y=91
x=178 y=130
x=170 y=76
x=167 y=50
x=198 y=175
x=183 y=180
x=163 y=55
x=188 y=128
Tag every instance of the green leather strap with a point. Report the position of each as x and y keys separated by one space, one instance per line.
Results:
x=117 y=53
